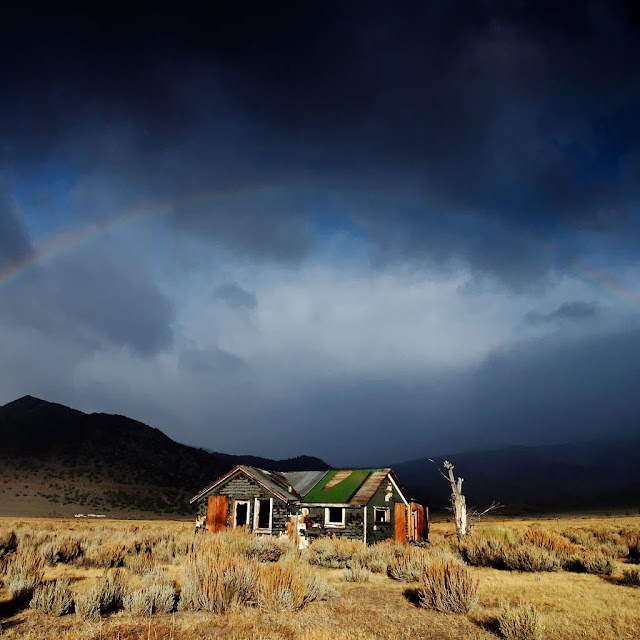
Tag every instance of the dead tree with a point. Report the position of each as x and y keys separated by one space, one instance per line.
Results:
x=458 y=501
x=464 y=520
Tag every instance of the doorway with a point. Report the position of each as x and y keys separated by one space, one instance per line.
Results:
x=241 y=516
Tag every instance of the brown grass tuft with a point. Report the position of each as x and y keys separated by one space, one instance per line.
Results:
x=447 y=585
x=521 y=622
x=25 y=572
x=631 y=577
x=53 y=598
x=281 y=588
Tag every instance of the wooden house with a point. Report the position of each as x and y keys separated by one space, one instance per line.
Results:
x=363 y=504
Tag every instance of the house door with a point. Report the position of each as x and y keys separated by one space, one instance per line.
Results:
x=417 y=525
x=401 y=522
x=217 y=513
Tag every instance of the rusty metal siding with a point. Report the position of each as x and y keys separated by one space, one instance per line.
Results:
x=216 y=513
x=304 y=481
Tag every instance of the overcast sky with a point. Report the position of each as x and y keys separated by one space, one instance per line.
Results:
x=367 y=231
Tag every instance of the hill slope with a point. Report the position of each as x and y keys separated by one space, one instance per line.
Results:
x=59 y=460
x=568 y=477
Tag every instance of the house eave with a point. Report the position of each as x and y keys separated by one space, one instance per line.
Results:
x=228 y=475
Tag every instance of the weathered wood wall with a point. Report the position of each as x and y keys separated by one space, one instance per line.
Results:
x=385 y=496
x=242 y=487
x=353 y=528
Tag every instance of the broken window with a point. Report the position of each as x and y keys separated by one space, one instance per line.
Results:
x=334 y=516
x=264 y=513
x=381 y=515
x=242 y=513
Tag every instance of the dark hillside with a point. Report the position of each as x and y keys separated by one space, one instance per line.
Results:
x=75 y=461
x=569 y=477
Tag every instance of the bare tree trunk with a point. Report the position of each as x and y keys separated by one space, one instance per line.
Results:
x=458 y=502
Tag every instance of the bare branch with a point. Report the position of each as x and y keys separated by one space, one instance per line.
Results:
x=438 y=468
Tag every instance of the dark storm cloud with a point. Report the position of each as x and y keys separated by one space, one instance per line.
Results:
x=235 y=296
x=211 y=360
x=14 y=238
x=545 y=391
x=93 y=301
x=569 y=311
x=481 y=131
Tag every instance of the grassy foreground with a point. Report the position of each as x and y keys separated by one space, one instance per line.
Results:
x=567 y=578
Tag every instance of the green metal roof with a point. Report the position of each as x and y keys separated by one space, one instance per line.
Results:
x=341 y=492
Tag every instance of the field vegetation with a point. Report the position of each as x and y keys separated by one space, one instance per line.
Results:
x=518 y=580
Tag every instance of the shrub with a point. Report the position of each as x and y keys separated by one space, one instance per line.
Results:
x=107 y=556
x=550 y=541
x=376 y=565
x=63 y=550
x=594 y=562
x=53 y=598
x=521 y=622
x=87 y=605
x=158 y=594
x=356 y=572
x=523 y=557
x=633 y=544
x=333 y=553
x=281 y=588
x=581 y=537
x=264 y=549
x=214 y=582
x=106 y=596
x=410 y=566
x=25 y=572
x=485 y=551
x=379 y=557
x=8 y=542
x=318 y=588
x=112 y=587
x=141 y=562
x=447 y=585
x=631 y=577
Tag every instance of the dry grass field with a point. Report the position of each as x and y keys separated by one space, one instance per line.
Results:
x=564 y=578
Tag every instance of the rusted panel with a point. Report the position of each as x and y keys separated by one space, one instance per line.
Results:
x=293 y=529
x=369 y=487
x=422 y=524
x=401 y=522
x=217 y=513
x=416 y=526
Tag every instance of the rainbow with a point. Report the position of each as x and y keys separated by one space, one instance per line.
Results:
x=606 y=284
x=66 y=242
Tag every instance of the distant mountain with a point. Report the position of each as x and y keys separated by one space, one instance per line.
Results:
x=54 y=459
x=569 y=477
x=59 y=461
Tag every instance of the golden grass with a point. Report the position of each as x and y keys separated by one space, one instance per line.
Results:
x=570 y=605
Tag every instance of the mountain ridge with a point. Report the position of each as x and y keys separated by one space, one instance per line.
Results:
x=68 y=460
x=59 y=460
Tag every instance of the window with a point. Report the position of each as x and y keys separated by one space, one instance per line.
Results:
x=262 y=517
x=334 y=516
x=381 y=515
x=241 y=513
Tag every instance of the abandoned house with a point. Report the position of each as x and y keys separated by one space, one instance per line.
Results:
x=363 y=504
